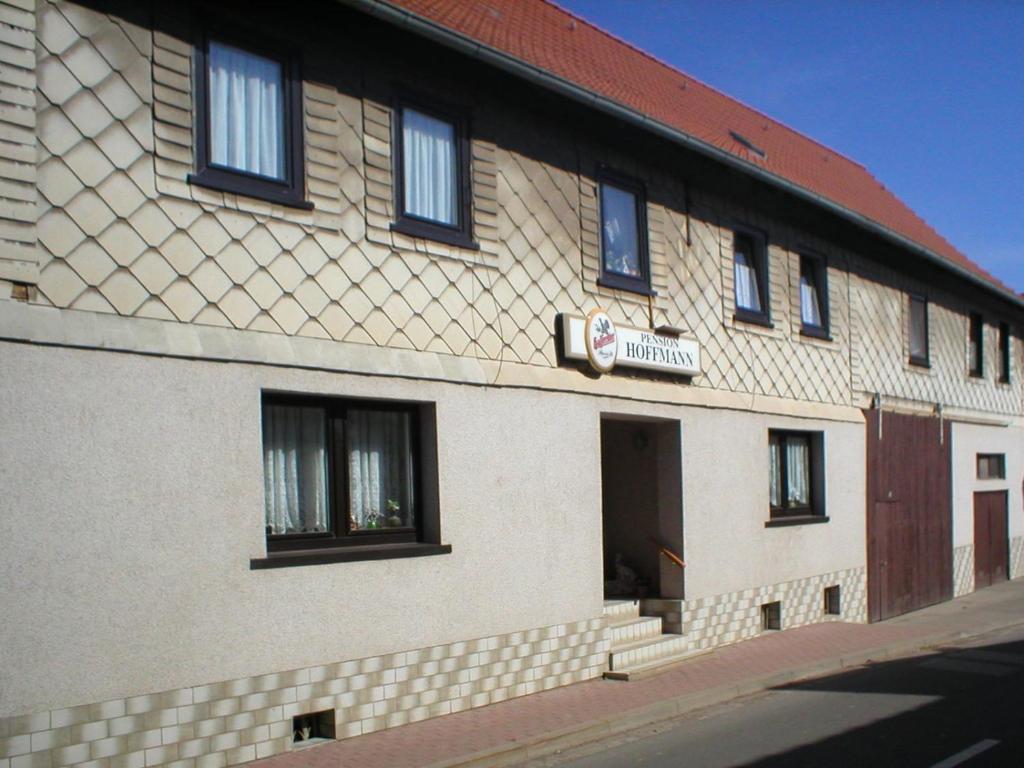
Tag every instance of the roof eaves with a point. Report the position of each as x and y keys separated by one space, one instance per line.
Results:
x=537 y=75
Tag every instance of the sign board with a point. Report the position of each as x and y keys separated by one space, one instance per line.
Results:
x=598 y=340
x=601 y=339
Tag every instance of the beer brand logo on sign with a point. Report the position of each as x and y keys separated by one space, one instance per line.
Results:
x=602 y=341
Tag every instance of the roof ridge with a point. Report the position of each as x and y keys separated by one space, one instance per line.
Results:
x=723 y=94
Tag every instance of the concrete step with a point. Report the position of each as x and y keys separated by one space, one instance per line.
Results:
x=618 y=611
x=640 y=671
x=647 y=651
x=634 y=630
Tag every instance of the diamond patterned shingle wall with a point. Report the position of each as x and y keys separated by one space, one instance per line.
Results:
x=736 y=357
x=121 y=231
x=880 y=347
x=18 y=171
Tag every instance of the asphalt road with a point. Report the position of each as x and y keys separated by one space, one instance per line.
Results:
x=963 y=705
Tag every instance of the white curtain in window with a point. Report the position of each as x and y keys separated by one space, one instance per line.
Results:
x=429 y=167
x=294 y=469
x=246 y=111
x=380 y=469
x=747 y=295
x=810 y=308
x=621 y=240
x=775 y=472
x=798 y=471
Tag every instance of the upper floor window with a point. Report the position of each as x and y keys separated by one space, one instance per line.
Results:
x=1004 y=353
x=750 y=275
x=249 y=121
x=813 y=296
x=975 y=345
x=624 y=258
x=432 y=174
x=918 y=330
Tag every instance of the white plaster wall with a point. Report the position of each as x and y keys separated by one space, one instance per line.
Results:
x=725 y=500
x=968 y=441
x=133 y=500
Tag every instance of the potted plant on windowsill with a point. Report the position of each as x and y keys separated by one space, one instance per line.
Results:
x=394 y=519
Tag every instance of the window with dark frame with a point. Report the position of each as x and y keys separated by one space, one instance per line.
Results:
x=975 y=345
x=918 y=330
x=625 y=260
x=344 y=473
x=991 y=466
x=750 y=278
x=432 y=166
x=1004 y=353
x=248 y=109
x=814 y=319
x=795 y=475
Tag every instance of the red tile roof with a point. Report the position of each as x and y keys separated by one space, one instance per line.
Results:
x=540 y=34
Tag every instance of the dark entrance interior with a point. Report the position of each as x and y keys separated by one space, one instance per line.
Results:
x=909 y=513
x=991 y=539
x=641 y=494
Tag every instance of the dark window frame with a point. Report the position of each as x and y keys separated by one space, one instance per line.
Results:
x=976 y=336
x=918 y=360
x=986 y=460
x=289 y=191
x=759 y=250
x=819 y=268
x=814 y=511
x=341 y=543
x=607 y=278
x=1005 y=357
x=461 y=234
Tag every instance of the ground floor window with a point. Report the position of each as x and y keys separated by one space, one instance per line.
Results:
x=341 y=472
x=991 y=466
x=795 y=473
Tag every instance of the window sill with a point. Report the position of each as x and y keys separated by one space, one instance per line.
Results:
x=753 y=318
x=624 y=284
x=435 y=232
x=919 y=362
x=240 y=184
x=815 y=332
x=782 y=522
x=348 y=554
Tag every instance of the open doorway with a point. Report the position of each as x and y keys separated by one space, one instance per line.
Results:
x=642 y=515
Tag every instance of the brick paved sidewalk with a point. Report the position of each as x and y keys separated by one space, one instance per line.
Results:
x=529 y=726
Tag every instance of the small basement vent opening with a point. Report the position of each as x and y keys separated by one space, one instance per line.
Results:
x=771 y=616
x=313 y=728
x=833 y=606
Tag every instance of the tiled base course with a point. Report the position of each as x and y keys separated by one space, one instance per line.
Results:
x=963 y=570
x=225 y=723
x=963 y=565
x=728 y=618
x=1016 y=557
x=211 y=726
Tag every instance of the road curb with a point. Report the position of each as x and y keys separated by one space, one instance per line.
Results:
x=577 y=735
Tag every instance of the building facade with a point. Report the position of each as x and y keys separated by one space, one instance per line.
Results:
x=288 y=307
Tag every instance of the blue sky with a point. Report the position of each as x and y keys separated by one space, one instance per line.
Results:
x=928 y=95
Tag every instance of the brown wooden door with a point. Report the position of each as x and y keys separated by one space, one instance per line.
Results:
x=991 y=542
x=909 y=513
